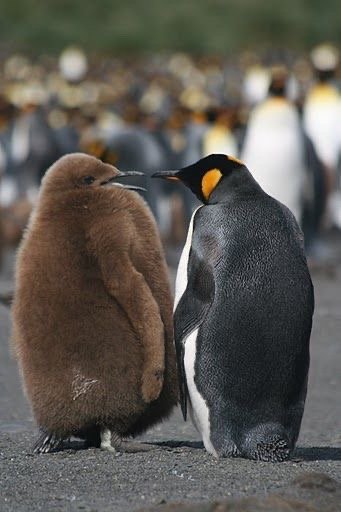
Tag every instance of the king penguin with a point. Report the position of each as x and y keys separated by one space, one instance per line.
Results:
x=274 y=148
x=243 y=314
x=321 y=120
x=92 y=315
x=322 y=107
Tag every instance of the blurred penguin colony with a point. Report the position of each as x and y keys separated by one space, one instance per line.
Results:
x=281 y=114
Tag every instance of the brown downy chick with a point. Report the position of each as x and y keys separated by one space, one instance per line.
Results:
x=2 y=242
x=93 y=329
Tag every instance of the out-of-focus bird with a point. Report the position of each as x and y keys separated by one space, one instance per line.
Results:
x=274 y=148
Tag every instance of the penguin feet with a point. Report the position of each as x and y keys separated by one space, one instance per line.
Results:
x=114 y=443
x=229 y=451
x=47 y=442
x=92 y=438
x=225 y=447
x=152 y=382
x=106 y=441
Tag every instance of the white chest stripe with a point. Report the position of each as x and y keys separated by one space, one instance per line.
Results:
x=197 y=407
x=181 y=276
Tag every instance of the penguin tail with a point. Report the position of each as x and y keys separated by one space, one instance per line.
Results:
x=276 y=450
x=47 y=442
x=268 y=443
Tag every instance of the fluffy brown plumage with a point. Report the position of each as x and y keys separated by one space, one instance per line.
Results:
x=1 y=235
x=93 y=311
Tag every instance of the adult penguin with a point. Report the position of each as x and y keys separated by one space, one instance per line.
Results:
x=274 y=149
x=321 y=120
x=243 y=314
x=322 y=108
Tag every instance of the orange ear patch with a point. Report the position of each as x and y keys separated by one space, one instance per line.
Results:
x=209 y=181
x=236 y=160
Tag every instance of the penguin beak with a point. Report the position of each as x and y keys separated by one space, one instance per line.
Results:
x=168 y=175
x=124 y=174
x=130 y=187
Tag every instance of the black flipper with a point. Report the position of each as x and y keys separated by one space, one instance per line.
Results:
x=47 y=442
x=191 y=312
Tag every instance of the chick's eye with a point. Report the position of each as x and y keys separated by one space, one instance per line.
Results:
x=87 y=180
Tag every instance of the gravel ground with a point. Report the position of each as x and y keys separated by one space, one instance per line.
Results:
x=179 y=470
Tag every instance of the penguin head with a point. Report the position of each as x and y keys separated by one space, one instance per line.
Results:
x=79 y=171
x=204 y=176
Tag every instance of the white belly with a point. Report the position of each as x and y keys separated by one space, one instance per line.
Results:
x=274 y=153
x=198 y=408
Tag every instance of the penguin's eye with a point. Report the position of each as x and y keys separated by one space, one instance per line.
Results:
x=87 y=180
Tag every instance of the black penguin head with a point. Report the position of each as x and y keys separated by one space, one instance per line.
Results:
x=279 y=81
x=205 y=175
x=81 y=171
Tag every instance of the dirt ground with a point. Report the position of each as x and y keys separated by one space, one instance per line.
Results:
x=179 y=470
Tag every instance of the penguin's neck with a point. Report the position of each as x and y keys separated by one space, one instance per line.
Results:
x=239 y=184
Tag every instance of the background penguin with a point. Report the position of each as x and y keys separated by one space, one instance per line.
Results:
x=273 y=148
x=243 y=314
x=321 y=119
x=283 y=159
x=92 y=312
x=322 y=107
x=219 y=137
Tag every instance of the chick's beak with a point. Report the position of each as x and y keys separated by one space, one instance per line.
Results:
x=130 y=187
x=124 y=174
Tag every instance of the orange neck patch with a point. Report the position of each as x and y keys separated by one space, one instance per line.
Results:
x=210 y=181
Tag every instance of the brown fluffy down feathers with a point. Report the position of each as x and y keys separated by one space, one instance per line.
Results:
x=92 y=314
